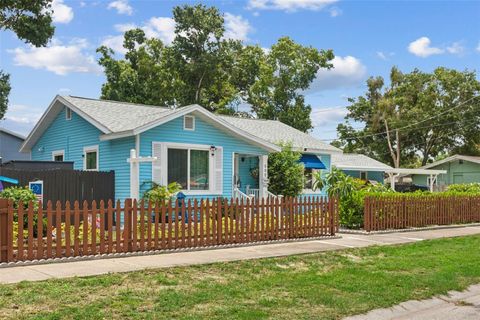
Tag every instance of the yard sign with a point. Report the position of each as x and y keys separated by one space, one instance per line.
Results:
x=37 y=189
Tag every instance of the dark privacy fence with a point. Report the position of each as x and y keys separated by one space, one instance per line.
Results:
x=67 y=185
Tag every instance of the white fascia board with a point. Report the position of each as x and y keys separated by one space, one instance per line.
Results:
x=416 y=171
x=315 y=151
x=48 y=117
x=189 y=109
x=360 y=168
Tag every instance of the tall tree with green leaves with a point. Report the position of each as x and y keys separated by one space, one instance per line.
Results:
x=418 y=115
x=285 y=72
x=201 y=66
x=31 y=21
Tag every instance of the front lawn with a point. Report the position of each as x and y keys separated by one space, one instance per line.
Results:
x=316 y=286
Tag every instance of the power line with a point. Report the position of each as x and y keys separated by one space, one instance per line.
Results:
x=407 y=126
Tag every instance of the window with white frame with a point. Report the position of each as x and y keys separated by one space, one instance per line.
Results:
x=364 y=175
x=90 y=158
x=68 y=113
x=189 y=167
x=58 y=155
x=188 y=123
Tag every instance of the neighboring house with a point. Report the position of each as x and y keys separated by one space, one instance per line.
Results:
x=208 y=154
x=10 y=143
x=360 y=166
x=460 y=169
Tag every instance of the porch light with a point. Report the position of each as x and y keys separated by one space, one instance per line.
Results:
x=212 y=150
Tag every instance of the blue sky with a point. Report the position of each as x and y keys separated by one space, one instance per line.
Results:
x=368 y=38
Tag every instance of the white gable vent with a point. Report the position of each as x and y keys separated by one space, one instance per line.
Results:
x=189 y=123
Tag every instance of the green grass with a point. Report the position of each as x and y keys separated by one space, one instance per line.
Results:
x=315 y=286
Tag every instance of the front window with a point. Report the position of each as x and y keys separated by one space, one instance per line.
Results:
x=91 y=158
x=308 y=177
x=189 y=167
x=58 y=156
x=364 y=175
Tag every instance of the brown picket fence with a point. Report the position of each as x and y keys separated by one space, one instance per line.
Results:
x=401 y=212
x=95 y=228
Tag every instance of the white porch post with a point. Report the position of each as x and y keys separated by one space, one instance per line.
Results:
x=134 y=175
x=134 y=161
x=263 y=175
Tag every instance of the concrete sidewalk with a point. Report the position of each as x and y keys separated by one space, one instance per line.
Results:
x=455 y=305
x=103 y=266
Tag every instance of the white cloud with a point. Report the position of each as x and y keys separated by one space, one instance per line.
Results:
x=125 y=27
x=236 y=27
x=21 y=118
x=322 y=117
x=61 y=12
x=289 y=5
x=122 y=7
x=456 y=48
x=115 y=43
x=335 y=12
x=421 y=48
x=160 y=27
x=478 y=47
x=385 y=55
x=346 y=72
x=58 y=58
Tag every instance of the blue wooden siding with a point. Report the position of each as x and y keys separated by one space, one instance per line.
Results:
x=75 y=134
x=204 y=134
x=371 y=175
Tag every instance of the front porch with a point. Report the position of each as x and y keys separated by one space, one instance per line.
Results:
x=250 y=177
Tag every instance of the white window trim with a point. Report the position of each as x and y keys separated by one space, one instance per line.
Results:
x=87 y=150
x=58 y=153
x=186 y=146
x=68 y=112
x=366 y=175
x=193 y=122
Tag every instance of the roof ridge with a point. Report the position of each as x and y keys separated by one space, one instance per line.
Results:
x=241 y=118
x=123 y=102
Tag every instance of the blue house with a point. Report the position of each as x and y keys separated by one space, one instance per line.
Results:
x=208 y=154
x=10 y=143
x=360 y=166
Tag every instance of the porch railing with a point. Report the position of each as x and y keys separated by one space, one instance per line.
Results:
x=255 y=193
x=238 y=194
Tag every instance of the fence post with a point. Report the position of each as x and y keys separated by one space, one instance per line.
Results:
x=332 y=208
x=128 y=219
x=366 y=214
x=6 y=231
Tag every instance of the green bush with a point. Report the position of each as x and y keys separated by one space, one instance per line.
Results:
x=25 y=195
x=468 y=188
x=160 y=193
x=285 y=172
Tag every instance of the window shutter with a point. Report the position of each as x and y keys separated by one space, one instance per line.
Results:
x=157 y=170
x=218 y=170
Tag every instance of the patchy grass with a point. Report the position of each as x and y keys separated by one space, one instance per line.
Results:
x=316 y=286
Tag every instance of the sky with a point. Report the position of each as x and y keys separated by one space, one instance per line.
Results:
x=367 y=37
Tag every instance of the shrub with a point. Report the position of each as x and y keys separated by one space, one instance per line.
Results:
x=285 y=172
x=158 y=193
x=468 y=188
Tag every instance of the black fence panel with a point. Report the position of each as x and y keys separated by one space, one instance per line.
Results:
x=71 y=185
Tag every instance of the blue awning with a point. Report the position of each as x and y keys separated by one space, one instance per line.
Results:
x=311 y=161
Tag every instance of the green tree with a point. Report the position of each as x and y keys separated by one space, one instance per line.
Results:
x=285 y=72
x=31 y=21
x=417 y=114
x=201 y=66
x=285 y=172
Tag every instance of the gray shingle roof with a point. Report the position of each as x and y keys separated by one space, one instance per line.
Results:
x=276 y=131
x=122 y=116
x=357 y=161
x=118 y=116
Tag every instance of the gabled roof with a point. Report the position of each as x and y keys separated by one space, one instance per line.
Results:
x=452 y=158
x=120 y=119
x=16 y=135
x=354 y=161
x=276 y=131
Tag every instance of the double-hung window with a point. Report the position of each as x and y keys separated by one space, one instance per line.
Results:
x=189 y=167
x=90 y=158
x=308 y=178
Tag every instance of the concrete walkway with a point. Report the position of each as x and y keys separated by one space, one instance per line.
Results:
x=103 y=266
x=456 y=305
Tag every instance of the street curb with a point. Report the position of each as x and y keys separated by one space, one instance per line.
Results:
x=455 y=226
